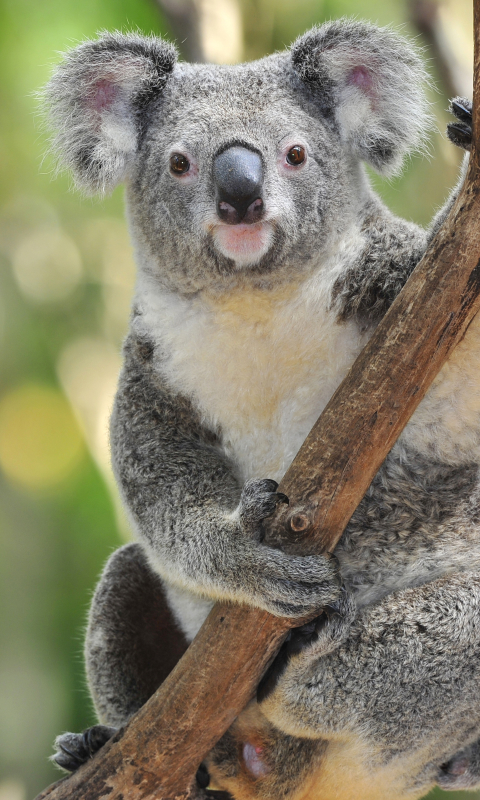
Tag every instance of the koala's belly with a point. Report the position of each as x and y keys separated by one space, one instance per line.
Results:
x=260 y=366
x=189 y=609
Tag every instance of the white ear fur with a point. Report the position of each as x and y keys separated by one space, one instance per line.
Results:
x=372 y=82
x=94 y=102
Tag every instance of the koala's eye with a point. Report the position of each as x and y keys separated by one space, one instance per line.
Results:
x=179 y=164
x=296 y=155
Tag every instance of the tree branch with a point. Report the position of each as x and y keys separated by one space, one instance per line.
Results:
x=206 y=30
x=183 y=18
x=158 y=752
x=427 y=18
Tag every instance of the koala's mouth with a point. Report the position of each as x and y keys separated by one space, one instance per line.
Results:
x=245 y=244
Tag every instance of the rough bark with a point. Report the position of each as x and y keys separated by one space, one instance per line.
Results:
x=157 y=754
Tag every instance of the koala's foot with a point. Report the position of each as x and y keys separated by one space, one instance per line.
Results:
x=319 y=637
x=203 y=780
x=460 y=133
x=74 y=749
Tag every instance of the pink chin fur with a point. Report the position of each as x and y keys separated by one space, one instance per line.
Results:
x=244 y=244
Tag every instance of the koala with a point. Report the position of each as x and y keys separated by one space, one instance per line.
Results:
x=265 y=261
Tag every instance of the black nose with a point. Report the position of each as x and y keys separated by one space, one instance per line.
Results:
x=238 y=175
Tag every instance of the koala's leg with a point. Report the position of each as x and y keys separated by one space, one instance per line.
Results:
x=132 y=642
x=402 y=682
x=132 y=645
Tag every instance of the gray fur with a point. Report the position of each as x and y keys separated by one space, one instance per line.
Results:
x=175 y=479
x=132 y=639
x=339 y=55
x=108 y=82
x=238 y=338
x=366 y=290
x=426 y=640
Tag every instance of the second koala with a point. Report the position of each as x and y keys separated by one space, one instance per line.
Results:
x=265 y=261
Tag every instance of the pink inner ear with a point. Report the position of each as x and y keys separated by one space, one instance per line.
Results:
x=362 y=78
x=103 y=95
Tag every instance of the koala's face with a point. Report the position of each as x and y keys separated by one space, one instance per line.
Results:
x=250 y=170
x=241 y=178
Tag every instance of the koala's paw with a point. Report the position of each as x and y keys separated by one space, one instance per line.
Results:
x=460 y=133
x=285 y=585
x=202 y=784
x=316 y=638
x=258 y=501
x=74 y=749
x=289 y=586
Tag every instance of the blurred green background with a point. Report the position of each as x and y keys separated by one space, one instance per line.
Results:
x=66 y=276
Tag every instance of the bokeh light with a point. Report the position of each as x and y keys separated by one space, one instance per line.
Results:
x=13 y=789
x=40 y=440
x=47 y=266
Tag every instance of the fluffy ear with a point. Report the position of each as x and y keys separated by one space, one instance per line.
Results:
x=371 y=81
x=95 y=102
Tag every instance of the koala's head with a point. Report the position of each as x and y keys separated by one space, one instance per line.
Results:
x=238 y=171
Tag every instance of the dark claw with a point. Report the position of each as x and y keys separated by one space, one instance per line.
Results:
x=68 y=752
x=303 y=636
x=269 y=485
x=460 y=135
x=74 y=749
x=282 y=498
x=202 y=776
x=73 y=759
x=297 y=639
x=67 y=758
x=305 y=630
x=462 y=109
x=96 y=736
x=333 y=608
x=337 y=605
x=86 y=742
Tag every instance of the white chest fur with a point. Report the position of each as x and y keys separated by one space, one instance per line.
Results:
x=260 y=365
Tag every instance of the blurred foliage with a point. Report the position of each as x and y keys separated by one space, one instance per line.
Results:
x=66 y=275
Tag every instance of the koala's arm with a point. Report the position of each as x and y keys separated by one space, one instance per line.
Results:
x=392 y=250
x=202 y=532
x=393 y=247
x=402 y=677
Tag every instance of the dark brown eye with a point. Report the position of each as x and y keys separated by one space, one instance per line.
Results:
x=179 y=164
x=296 y=155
